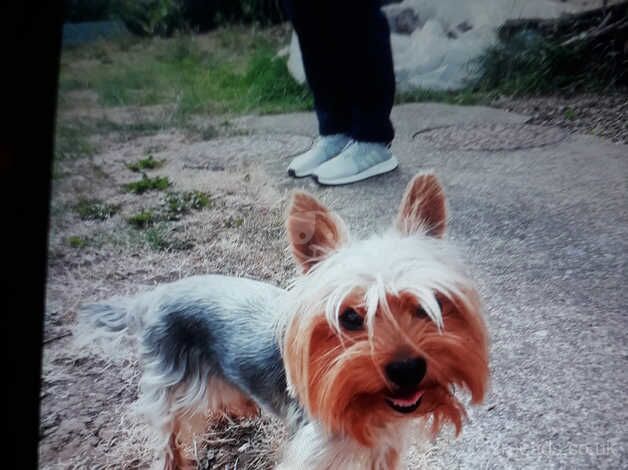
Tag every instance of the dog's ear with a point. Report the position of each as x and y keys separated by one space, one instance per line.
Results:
x=423 y=208
x=313 y=230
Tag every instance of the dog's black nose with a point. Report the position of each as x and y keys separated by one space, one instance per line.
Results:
x=407 y=373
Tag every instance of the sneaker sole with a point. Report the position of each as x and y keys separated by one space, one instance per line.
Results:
x=294 y=174
x=379 y=169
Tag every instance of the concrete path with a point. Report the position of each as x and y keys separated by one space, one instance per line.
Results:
x=544 y=223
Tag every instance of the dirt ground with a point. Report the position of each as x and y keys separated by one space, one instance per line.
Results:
x=601 y=115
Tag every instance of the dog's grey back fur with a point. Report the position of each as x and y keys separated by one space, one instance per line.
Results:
x=202 y=327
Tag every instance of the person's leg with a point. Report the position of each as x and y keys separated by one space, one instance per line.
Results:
x=321 y=43
x=368 y=67
x=322 y=60
x=348 y=65
x=371 y=69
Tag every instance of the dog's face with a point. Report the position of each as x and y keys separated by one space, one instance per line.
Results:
x=382 y=329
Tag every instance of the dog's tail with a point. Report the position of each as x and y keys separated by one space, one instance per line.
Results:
x=105 y=324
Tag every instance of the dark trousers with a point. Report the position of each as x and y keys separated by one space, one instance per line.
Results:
x=348 y=63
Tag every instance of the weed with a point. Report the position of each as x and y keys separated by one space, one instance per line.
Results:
x=173 y=206
x=176 y=204
x=77 y=242
x=466 y=96
x=158 y=183
x=142 y=219
x=94 y=209
x=528 y=63
x=570 y=114
x=148 y=163
x=271 y=88
x=158 y=239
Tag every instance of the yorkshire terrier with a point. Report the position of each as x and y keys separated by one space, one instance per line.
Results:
x=372 y=337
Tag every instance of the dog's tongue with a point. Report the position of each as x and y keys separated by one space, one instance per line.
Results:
x=408 y=400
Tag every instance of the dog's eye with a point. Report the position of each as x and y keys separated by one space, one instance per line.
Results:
x=351 y=320
x=421 y=313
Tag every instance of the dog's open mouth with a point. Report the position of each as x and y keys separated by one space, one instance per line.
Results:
x=405 y=402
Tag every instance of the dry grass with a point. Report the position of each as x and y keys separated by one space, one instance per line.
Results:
x=248 y=444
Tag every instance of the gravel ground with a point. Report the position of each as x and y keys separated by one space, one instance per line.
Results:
x=602 y=115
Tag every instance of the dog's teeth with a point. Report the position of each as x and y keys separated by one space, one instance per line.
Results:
x=405 y=402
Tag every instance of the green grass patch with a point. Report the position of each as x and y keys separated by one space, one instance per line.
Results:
x=271 y=88
x=94 y=209
x=76 y=242
x=158 y=183
x=570 y=114
x=173 y=206
x=230 y=70
x=159 y=238
x=142 y=219
x=177 y=204
x=148 y=163
x=528 y=63
x=466 y=96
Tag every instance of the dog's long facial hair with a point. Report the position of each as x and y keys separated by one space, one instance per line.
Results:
x=384 y=329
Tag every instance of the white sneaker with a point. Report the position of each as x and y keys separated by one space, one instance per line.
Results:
x=324 y=148
x=358 y=161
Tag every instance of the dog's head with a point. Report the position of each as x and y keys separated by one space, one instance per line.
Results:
x=381 y=329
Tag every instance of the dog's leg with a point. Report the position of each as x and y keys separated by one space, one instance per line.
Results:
x=175 y=394
x=222 y=401
x=180 y=414
x=227 y=402
x=185 y=441
x=182 y=427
